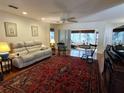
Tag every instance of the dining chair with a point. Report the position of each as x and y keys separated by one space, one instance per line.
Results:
x=89 y=53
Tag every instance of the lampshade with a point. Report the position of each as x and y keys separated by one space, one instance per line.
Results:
x=52 y=41
x=4 y=47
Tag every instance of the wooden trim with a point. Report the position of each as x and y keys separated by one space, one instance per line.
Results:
x=52 y=29
x=119 y=29
x=83 y=31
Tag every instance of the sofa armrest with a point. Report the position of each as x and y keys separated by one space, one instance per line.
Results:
x=17 y=61
x=12 y=55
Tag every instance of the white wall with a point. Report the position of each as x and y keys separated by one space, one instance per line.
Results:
x=23 y=28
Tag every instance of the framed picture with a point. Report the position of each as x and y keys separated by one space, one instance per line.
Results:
x=10 y=29
x=34 y=30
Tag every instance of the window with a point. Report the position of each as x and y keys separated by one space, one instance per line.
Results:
x=88 y=38
x=118 y=38
x=118 y=35
x=81 y=38
x=52 y=34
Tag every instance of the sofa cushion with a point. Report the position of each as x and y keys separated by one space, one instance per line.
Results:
x=37 y=42
x=18 y=48
x=44 y=47
x=38 y=54
x=27 y=58
x=47 y=51
x=21 y=51
x=29 y=43
x=17 y=45
x=31 y=49
x=33 y=46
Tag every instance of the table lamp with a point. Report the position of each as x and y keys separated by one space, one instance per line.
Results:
x=52 y=43
x=4 y=50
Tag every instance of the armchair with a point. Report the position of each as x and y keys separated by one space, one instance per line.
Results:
x=61 y=48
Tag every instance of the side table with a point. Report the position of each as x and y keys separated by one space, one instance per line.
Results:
x=1 y=76
x=1 y=73
x=6 y=65
x=53 y=50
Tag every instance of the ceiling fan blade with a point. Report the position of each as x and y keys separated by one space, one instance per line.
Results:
x=70 y=18
x=72 y=21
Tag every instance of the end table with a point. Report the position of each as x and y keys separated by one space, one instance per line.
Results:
x=53 y=50
x=6 y=65
x=1 y=76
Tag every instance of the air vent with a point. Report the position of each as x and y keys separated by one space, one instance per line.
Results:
x=14 y=7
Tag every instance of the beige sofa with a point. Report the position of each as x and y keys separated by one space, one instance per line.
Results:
x=28 y=52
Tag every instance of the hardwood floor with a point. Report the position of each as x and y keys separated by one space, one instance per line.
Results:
x=13 y=73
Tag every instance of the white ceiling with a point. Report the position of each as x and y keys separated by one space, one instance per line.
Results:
x=114 y=14
x=57 y=8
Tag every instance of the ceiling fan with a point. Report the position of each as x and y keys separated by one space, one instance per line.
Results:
x=68 y=19
x=65 y=17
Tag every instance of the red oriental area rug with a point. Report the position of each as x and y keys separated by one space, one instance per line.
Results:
x=57 y=74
